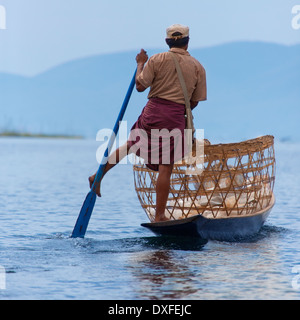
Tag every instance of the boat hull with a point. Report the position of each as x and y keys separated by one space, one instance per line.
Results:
x=223 y=229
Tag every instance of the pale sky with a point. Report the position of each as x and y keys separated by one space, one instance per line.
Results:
x=40 y=34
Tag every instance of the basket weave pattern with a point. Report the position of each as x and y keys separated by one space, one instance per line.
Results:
x=233 y=179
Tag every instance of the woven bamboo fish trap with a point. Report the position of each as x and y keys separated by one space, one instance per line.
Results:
x=227 y=180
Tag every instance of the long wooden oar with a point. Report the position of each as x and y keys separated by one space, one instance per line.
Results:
x=89 y=202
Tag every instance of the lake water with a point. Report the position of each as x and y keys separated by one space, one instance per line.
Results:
x=43 y=183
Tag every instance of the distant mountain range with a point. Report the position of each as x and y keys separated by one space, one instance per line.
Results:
x=253 y=89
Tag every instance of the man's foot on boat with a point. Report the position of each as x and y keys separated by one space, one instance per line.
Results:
x=91 y=181
x=161 y=218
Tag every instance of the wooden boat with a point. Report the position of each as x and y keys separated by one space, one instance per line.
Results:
x=223 y=192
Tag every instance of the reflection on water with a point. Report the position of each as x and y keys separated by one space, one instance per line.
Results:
x=174 y=243
x=160 y=275
x=248 y=270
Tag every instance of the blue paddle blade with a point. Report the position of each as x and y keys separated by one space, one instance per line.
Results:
x=84 y=215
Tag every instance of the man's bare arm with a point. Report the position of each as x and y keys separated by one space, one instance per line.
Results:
x=141 y=59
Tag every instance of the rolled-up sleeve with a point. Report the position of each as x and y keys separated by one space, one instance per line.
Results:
x=200 y=92
x=146 y=77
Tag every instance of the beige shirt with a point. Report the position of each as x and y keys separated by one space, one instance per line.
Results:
x=160 y=75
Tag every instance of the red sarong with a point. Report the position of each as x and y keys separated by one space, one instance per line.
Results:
x=158 y=134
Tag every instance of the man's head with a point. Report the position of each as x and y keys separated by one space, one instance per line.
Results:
x=177 y=36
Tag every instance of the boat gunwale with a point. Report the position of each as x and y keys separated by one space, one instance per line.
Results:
x=191 y=219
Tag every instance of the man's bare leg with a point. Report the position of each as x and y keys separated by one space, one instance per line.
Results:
x=162 y=191
x=113 y=160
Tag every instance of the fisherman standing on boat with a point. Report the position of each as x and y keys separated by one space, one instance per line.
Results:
x=165 y=110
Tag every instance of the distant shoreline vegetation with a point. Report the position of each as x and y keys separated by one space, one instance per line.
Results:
x=37 y=135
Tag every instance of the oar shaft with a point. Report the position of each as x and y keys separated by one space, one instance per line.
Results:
x=115 y=133
x=88 y=205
